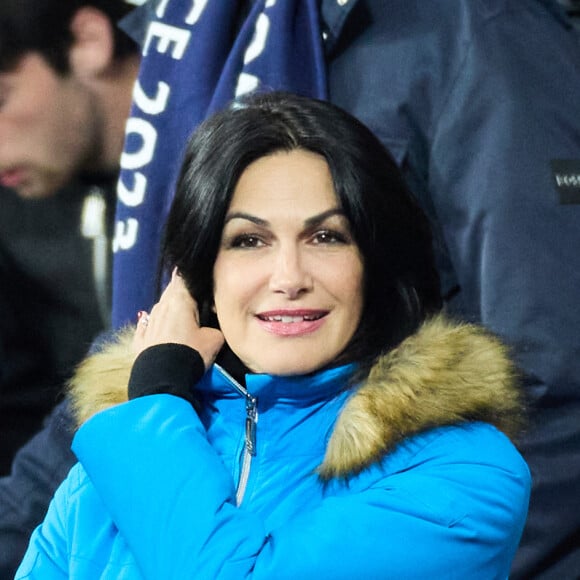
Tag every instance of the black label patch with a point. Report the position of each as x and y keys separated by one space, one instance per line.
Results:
x=567 y=179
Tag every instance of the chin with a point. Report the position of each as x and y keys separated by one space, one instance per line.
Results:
x=291 y=368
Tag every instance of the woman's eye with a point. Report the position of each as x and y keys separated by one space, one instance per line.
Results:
x=246 y=241
x=329 y=237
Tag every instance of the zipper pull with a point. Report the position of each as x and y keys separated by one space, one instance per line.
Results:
x=251 y=414
x=94 y=227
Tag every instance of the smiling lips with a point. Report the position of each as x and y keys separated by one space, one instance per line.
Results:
x=12 y=177
x=292 y=322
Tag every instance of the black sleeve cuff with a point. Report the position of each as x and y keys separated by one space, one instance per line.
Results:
x=166 y=368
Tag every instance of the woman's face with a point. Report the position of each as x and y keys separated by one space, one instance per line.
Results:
x=288 y=279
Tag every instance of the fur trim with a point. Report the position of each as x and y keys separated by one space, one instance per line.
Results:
x=446 y=373
x=101 y=380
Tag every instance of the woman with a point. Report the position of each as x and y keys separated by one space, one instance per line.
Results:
x=346 y=430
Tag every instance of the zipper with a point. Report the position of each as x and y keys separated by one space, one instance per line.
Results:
x=94 y=227
x=249 y=434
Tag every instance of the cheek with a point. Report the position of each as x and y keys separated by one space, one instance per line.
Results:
x=357 y=300
x=350 y=287
x=25 y=121
x=353 y=293
x=234 y=285
x=220 y=286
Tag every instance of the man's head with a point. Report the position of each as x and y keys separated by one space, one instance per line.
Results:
x=66 y=76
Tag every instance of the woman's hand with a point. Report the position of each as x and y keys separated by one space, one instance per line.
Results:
x=175 y=319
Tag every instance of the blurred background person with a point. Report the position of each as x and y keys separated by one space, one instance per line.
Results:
x=66 y=75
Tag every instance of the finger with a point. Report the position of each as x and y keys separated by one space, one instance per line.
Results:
x=208 y=344
x=176 y=289
x=181 y=287
x=177 y=295
x=178 y=284
x=140 y=329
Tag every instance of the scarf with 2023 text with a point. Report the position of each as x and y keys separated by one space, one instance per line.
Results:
x=197 y=57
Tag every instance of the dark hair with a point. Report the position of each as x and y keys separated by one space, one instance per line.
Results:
x=43 y=26
x=391 y=231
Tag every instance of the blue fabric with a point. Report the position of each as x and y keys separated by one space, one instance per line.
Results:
x=448 y=503
x=190 y=70
x=38 y=469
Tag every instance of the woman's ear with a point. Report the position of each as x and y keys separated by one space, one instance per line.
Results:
x=93 y=48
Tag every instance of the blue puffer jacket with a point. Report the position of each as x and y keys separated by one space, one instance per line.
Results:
x=162 y=492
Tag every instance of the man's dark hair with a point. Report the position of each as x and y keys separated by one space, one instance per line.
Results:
x=43 y=26
x=401 y=283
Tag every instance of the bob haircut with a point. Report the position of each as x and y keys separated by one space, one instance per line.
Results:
x=401 y=284
x=43 y=26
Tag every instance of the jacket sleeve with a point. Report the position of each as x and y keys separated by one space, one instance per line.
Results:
x=38 y=469
x=511 y=233
x=179 y=498
x=513 y=240
x=47 y=554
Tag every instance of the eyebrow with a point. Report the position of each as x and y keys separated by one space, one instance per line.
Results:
x=312 y=221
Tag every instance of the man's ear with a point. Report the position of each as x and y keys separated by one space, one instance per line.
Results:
x=93 y=48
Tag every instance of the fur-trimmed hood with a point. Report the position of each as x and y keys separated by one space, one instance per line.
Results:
x=446 y=373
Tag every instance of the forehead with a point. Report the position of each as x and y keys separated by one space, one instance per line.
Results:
x=295 y=180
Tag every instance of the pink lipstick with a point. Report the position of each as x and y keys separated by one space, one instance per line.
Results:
x=12 y=178
x=291 y=322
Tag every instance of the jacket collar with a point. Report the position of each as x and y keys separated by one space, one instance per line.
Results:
x=445 y=374
x=334 y=14
x=301 y=389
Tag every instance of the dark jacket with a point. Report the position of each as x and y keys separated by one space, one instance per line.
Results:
x=52 y=304
x=478 y=100
x=572 y=9
x=38 y=469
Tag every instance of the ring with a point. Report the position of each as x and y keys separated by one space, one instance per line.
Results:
x=143 y=318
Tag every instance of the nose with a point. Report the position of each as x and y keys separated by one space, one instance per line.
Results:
x=290 y=274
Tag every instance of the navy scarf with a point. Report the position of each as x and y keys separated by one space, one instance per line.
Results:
x=196 y=59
